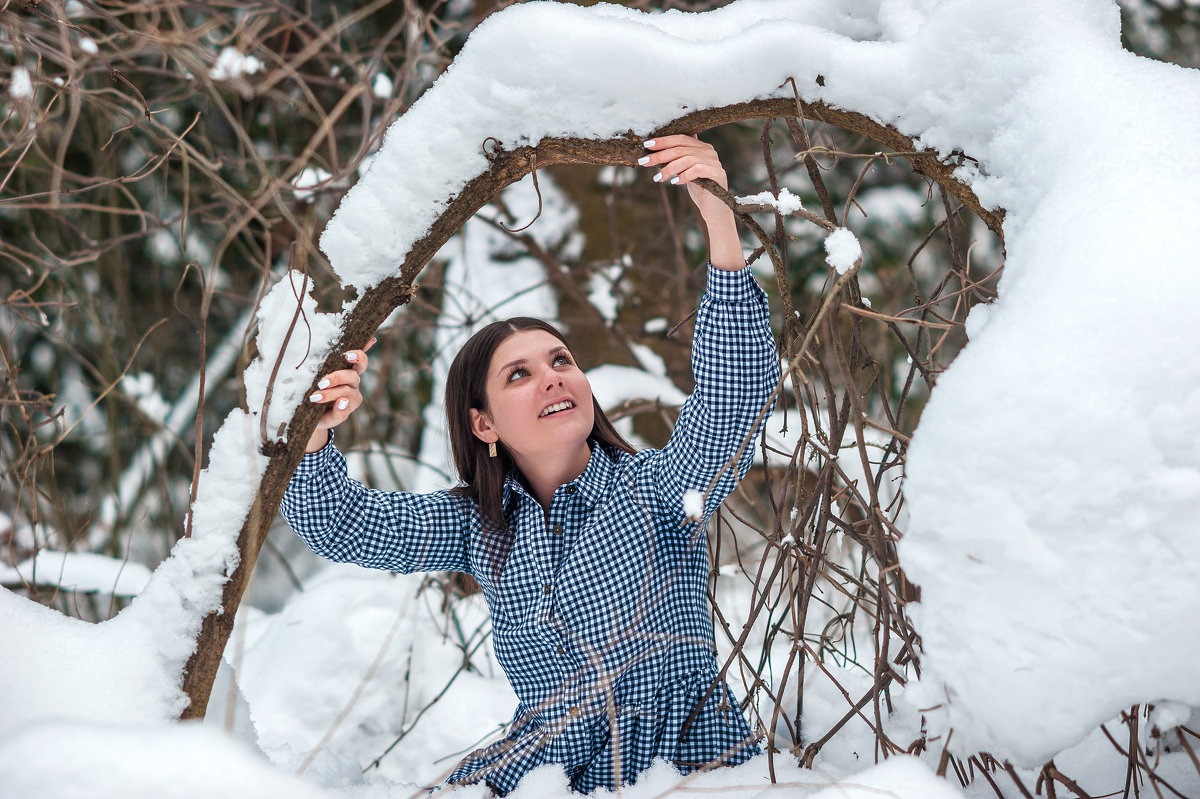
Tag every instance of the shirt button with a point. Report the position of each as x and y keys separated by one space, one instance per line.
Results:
x=558 y=529
x=561 y=651
x=574 y=711
x=547 y=589
x=571 y=489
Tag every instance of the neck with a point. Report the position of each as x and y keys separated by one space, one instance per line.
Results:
x=545 y=473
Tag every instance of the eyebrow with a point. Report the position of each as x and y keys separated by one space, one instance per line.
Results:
x=521 y=361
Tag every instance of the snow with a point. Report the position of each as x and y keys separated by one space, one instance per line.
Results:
x=232 y=63
x=693 y=504
x=843 y=250
x=1053 y=484
x=88 y=46
x=381 y=86
x=83 y=572
x=21 y=87
x=309 y=179
x=785 y=203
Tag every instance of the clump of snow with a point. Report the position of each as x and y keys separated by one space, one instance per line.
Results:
x=88 y=46
x=307 y=181
x=83 y=572
x=693 y=504
x=1054 y=481
x=232 y=63
x=21 y=87
x=977 y=319
x=381 y=86
x=118 y=761
x=614 y=385
x=143 y=388
x=293 y=341
x=785 y=203
x=602 y=291
x=842 y=250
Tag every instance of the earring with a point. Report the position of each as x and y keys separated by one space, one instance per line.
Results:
x=492 y=449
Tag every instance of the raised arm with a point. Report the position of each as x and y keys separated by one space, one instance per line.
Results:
x=343 y=520
x=734 y=357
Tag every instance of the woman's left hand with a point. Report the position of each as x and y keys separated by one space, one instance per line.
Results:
x=683 y=159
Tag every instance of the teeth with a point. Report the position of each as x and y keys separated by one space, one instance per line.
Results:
x=562 y=406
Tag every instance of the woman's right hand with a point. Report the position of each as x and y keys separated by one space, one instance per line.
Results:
x=339 y=392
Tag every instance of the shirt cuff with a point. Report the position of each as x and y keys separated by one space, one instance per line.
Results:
x=733 y=286
x=315 y=462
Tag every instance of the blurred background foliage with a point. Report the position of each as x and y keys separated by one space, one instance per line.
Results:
x=162 y=162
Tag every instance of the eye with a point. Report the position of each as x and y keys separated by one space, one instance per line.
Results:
x=519 y=371
x=562 y=359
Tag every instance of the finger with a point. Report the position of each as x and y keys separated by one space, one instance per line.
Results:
x=358 y=360
x=678 y=166
x=697 y=171
x=676 y=140
x=342 y=377
x=338 y=398
x=666 y=155
x=370 y=344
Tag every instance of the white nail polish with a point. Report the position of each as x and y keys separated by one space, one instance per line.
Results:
x=351 y=356
x=649 y=143
x=342 y=403
x=674 y=180
x=645 y=159
x=315 y=397
x=324 y=383
x=658 y=178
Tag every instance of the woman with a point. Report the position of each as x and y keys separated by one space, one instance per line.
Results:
x=594 y=573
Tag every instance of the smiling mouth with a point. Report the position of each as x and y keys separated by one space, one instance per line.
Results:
x=566 y=405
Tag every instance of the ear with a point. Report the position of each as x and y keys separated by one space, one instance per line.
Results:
x=481 y=426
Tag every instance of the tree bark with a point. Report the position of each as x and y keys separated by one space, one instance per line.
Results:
x=377 y=303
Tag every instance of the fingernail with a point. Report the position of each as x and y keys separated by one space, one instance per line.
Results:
x=645 y=159
x=658 y=178
x=648 y=143
x=315 y=397
x=342 y=403
x=675 y=179
x=351 y=356
x=324 y=383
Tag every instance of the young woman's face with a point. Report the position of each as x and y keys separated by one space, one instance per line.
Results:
x=539 y=401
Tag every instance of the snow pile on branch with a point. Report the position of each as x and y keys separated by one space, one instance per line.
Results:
x=293 y=342
x=1053 y=483
x=842 y=249
x=785 y=203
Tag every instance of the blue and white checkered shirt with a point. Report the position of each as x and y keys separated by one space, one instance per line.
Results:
x=600 y=614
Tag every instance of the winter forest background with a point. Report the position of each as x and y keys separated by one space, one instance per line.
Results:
x=163 y=164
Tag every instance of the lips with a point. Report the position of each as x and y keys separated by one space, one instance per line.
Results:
x=561 y=405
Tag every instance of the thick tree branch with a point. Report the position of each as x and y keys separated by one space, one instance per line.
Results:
x=377 y=303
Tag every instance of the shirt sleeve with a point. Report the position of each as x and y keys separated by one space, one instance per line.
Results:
x=736 y=368
x=343 y=520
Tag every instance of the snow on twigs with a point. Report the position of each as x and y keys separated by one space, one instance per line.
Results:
x=785 y=203
x=842 y=249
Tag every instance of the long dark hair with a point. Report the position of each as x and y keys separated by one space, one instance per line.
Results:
x=483 y=477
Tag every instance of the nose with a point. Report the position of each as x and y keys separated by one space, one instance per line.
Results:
x=553 y=379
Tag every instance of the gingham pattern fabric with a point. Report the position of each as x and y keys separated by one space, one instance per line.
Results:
x=600 y=615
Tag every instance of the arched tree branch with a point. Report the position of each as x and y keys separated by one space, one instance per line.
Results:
x=507 y=167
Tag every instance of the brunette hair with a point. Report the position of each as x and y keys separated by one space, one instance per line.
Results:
x=482 y=476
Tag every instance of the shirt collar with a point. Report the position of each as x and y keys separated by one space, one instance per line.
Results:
x=591 y=485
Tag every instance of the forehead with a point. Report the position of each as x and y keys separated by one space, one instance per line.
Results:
x=525 y=345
